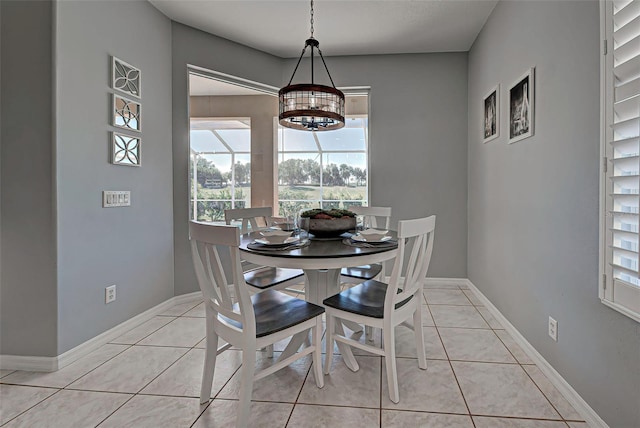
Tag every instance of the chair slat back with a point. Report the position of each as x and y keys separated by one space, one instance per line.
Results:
x=207 y=240
x=258 y=218
x=373 y=214
x=415 y=239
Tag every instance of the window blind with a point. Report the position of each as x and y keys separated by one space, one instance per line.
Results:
x=622 y=161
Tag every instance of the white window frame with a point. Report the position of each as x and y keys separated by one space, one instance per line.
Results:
x=619 y=295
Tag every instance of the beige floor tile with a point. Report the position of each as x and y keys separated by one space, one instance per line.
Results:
x=490 y=319
x=342 y=387
x=446 y=297
x=468 y=344
x=16 y=399
x=406 y=343
x=203 y=343
x=282 y=386
x=515 y=349
x=186 y=332
x=473 y=298
x=442 y=286
x=457 y=316
x=71 y=409
x=182 y=308
x=197 y=312
x=185 y=376
x=427 y=319
x=153 y=412
x=307 y=416
x=222 y=414
x=557 y=399
x=392 y=418
x=487 y=422
x=501 y=390
x=131 y=370
x=135 y=335
x=68 y=374
x=431 y=390
x=578 y=425
x=3 y=373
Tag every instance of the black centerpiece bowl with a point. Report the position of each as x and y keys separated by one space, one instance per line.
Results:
x=327 y=223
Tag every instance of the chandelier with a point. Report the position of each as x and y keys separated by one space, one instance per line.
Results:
x=309 y=106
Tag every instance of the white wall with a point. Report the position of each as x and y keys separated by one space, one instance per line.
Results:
x=533 y=205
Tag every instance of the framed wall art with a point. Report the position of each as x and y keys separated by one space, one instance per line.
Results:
x=125 y=149
x=491 y=116
x=521 y=107
x=125 y=77
x=125 y=113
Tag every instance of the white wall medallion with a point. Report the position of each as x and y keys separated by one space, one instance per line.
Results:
x=125 y=77
x=125 y=113
x=125 y=150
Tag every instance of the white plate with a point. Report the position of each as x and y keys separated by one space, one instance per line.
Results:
x=361 y=238
x=287 y=241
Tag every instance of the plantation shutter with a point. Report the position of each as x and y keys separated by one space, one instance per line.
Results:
x=622 y=136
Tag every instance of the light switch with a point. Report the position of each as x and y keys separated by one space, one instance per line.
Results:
x=116 y=198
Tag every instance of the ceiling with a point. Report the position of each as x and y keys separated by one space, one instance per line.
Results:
x=343 y=27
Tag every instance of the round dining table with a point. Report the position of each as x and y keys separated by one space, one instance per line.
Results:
x=321 y=259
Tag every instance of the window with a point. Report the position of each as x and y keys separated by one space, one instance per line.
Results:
x=324 y=169
x=220 y=167
x=620 y=23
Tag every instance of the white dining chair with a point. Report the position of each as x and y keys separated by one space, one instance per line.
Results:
x=386 y=305
x=376 y=218
x=243 y=320
x=263 y=277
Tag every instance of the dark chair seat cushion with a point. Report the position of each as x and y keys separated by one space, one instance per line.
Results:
x=265 y=276
x=362 y=272
x=276 y=311
x=363 y=299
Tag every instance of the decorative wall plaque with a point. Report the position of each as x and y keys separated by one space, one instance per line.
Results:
x=126 y=113
x=125 y=77
x=125 y=150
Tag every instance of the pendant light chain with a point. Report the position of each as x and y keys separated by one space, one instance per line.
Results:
x=312 y=19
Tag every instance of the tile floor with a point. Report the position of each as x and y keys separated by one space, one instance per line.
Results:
x=477 y=376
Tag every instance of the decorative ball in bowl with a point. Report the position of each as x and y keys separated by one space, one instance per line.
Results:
x=327 y=223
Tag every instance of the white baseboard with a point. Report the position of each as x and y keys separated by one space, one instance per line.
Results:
x=50 y=364
x=581 y=406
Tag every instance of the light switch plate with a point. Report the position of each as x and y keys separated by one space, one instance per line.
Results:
x=116 y=198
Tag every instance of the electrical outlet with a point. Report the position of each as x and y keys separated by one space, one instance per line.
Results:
x=553 y=329
x=110 y=294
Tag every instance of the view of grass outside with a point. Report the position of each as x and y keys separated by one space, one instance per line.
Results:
x=322 y=169
x=315 y=169
x=220 y=167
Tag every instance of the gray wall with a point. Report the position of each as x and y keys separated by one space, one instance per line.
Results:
x=533 y=205
x=28 y=298
x=193 y=47
x=131 y=246
x=417 y=141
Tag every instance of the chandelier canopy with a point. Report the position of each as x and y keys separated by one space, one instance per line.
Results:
x=309 y=106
